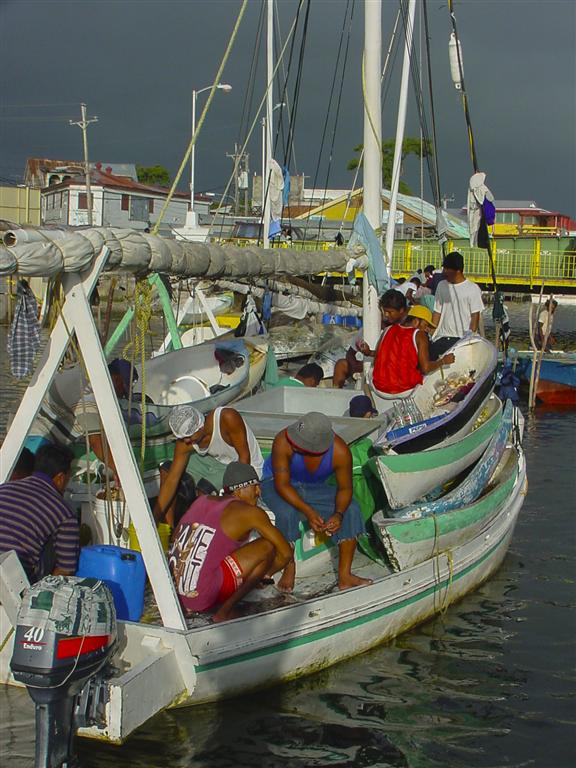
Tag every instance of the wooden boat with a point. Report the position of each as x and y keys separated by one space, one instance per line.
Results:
x=285 y=637
x=440 y=421
x=409 y=476
x=207 y=375
x=408 y=542
x=557 y=382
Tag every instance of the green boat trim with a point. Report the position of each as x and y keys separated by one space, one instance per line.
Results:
x=430 y=528
x=439 y=457
x=321 y=634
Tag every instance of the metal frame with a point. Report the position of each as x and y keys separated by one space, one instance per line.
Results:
x=76 y=317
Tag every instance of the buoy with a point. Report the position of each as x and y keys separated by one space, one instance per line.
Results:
x=455 y=49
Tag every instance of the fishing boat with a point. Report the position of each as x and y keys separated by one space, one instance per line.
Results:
x=557 y=381
x=409 y=476
x=166 y=660
x=412 y=540
x=442 y=409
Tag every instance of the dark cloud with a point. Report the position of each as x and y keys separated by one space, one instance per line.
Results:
x=135 y=64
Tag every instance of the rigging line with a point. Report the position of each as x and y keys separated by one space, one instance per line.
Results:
x=470 y=132
x=297 y=88
x=286 y=101
x=326 y=121
x=437 y=186
x=252 y=127
x=328 y=110
x=463 y=88
x=384 y=93
x=338 y=104
x=298 y=84
x=249 y=94
x=415 y=74
x=202 y=118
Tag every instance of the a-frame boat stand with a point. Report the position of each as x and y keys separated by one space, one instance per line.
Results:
x=166 y=669
x=76 y=317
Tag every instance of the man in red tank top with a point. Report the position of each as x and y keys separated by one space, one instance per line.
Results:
x=211 y=560
x=402 y=355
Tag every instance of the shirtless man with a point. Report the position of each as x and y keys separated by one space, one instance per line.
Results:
x=303 y=456
x=205 y=445
x=212 y=562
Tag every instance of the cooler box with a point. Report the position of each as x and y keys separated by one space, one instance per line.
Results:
x=122 y=570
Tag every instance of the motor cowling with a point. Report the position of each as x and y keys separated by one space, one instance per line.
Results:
x=65 y=634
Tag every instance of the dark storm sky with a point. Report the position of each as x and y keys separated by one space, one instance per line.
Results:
x=135 y=63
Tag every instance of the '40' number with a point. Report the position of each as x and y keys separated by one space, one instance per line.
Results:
x=34 y=634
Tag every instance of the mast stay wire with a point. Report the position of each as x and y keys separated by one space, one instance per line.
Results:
x=248 y=94
x=253 y=125
x=385 y=81
x=328 y=109
x=339 y=100
x=473 y=154
x=202 y=118
x=283 y=100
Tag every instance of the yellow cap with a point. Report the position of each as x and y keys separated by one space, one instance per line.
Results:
x=418 y=310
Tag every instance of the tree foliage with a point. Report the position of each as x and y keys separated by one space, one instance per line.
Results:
x=155 y=175
x=410 y=146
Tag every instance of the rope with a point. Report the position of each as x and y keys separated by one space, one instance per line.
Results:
x=141 y=320
x=471 y=143
x=202 y=118
x=444 y=601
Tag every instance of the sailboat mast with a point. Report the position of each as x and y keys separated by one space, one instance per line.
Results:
x=372 y=168
x=268 y=128
x=400 y=126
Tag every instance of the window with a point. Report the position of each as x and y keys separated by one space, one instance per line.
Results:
x=138 y=209
x=125 y=206
x=507 y=217
x=83 y=201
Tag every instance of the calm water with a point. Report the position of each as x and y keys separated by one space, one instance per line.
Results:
x=488 y=685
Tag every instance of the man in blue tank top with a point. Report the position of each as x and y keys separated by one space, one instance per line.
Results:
x=304 y=456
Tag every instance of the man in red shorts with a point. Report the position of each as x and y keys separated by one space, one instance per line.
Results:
x=212 y=562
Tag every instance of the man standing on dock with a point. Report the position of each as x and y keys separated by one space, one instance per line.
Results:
x=457 y=306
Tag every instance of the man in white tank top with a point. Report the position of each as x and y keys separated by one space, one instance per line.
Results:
x=205 y=445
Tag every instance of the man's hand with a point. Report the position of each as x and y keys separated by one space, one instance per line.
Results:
x=334 y=523
x=183 y=447
x=316 y=522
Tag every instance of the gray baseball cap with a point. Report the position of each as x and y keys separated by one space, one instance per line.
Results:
x=312 y=433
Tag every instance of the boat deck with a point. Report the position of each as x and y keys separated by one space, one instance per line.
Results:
x=268 y=598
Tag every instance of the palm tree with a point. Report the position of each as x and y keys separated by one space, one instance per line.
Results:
x=410 y=146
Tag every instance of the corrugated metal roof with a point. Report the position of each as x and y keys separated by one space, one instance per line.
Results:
x=110 y=181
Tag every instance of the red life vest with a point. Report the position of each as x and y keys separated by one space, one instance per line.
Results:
x=396 y=362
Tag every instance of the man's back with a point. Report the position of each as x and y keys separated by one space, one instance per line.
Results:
x=32 y=513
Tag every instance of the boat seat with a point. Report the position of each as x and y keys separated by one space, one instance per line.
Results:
x=186 y=389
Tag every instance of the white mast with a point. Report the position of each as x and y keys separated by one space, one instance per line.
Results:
x=372 y=151
x=400 y=125
x=268 y=130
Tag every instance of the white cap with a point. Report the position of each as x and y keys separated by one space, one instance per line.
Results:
x=185 y=420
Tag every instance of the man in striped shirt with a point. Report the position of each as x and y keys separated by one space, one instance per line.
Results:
x=36 y=522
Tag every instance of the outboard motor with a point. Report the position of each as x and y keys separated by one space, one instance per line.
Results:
x=65 y=634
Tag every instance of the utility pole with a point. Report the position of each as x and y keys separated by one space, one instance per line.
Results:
x=83 y=125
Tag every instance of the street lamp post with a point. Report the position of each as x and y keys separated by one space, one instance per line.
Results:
x=222 y=87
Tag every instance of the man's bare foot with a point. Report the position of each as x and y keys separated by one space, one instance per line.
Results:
x=219 y=616
x=286 y=581
x=352 y=581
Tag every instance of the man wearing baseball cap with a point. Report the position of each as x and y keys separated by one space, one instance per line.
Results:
x=212 y=562
x=304 y=456
x=403 y=358
x=457 y=306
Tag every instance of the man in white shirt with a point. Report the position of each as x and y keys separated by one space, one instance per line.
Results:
x=457 y=306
